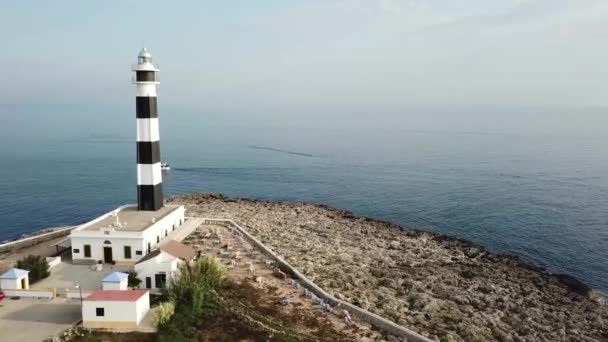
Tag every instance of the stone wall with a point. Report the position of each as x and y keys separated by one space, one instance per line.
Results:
x=31 y=293
x=33 y=240
x=355 y=311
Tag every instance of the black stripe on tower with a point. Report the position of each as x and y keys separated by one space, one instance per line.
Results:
x=148 y=152
x=150 y=197
x=145 y=107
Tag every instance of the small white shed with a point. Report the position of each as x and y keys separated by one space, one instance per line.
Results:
x=15 y=279
x=115 y=281
x=115 y=309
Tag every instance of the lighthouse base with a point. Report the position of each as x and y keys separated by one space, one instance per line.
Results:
x=150 y=197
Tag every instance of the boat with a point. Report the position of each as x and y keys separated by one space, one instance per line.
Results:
x=165 y=166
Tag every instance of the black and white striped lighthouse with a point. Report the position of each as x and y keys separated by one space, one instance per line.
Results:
x=149 y=175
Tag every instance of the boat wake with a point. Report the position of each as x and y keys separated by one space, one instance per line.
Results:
x=255 y=147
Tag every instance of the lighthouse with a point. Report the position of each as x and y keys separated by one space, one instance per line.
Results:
x=149 y=175
x=128 y=233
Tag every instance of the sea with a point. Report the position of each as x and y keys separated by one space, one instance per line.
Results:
x=528 y=186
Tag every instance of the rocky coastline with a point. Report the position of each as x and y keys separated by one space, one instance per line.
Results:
x=445 y=288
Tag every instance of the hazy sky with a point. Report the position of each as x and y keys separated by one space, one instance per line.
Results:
x=279 y=54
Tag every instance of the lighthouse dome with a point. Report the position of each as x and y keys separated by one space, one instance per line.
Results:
x=144 y=53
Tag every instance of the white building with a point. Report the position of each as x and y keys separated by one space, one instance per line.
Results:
x=159 y=267
x=115 y=281
x=124 y=235
x=115 y=309
x=15 y=279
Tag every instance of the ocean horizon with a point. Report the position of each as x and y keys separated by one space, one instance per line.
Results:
x=540 y=196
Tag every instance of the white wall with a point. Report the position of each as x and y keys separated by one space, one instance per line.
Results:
x=53 y=261
x=163 y=225
x=15 y=284
x=75 y=294
x=162 y=263
x=117 y=244
x=114 y=311
x=37 y=293
x=143 y=306
x=6 y=284
x=108 y=285
x=117 y=311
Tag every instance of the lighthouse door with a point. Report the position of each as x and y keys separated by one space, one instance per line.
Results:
x=107 y=254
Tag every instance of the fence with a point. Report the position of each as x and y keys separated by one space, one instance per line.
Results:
x=355 y=311
x=31 y=293
x=32 y=240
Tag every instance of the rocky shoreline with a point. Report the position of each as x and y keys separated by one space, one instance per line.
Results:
x=445 y=288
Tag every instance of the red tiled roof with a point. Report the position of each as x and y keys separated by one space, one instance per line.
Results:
x=116 y=295
x=178 y=250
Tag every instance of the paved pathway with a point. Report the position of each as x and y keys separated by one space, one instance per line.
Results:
x=182 y=231
x=28 y=320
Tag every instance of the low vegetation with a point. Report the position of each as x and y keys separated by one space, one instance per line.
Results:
x=37 y=265
x=134 y=281
x=164 y=312
x=193 y=295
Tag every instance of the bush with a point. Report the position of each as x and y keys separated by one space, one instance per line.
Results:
x=164 y=312
x=134 y=281
x=37 y=265
x=193 y=294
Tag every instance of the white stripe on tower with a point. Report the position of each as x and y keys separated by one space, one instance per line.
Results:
x=149 y=176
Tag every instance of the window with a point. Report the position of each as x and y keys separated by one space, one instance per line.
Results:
x=75 y=250
x=127 y=252
x=107 y=242
x=100 y=312
x=161 y=280
x=148 y=248
x=157 y=239
x=173 y=227
x=137 y=252
x=166 y=233
x=87 y=251
x=106 y=232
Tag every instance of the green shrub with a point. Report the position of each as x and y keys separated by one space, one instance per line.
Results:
x=134 y=281
x=194 y=294
x=37 y=265
x=164 y=312
x=197 y=283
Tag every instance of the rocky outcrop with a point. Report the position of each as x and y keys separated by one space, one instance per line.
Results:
x=444 y=288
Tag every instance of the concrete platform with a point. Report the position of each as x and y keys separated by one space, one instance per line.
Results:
x=28 y=320
x=67 y=275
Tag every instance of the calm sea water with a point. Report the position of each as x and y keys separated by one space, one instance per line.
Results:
x=539 y=196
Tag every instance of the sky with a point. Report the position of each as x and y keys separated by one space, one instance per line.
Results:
x=287 y=57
